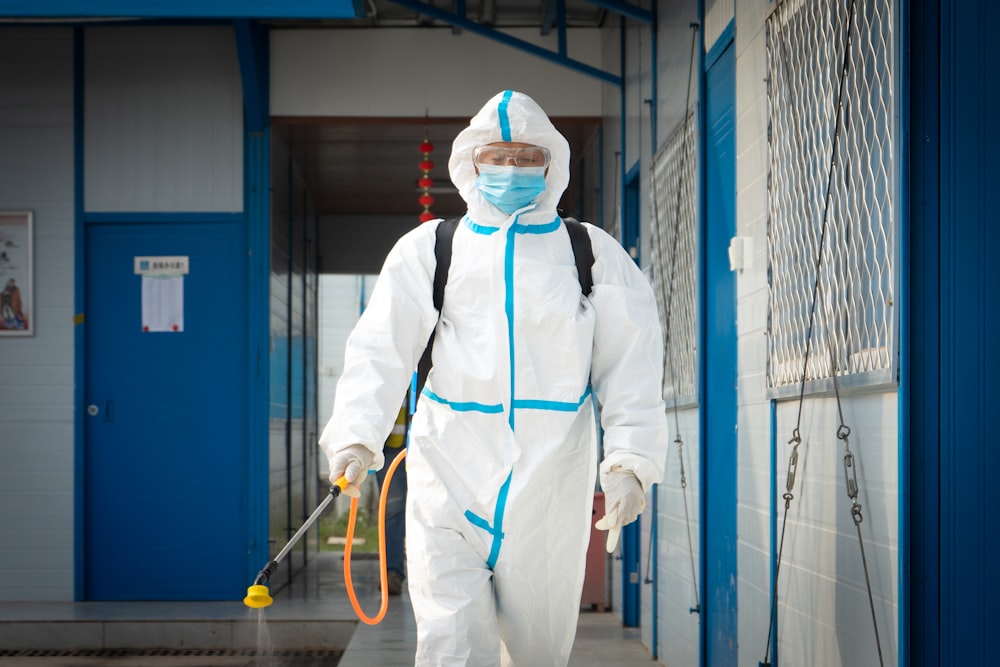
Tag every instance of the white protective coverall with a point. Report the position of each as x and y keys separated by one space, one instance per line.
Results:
x=503 y=452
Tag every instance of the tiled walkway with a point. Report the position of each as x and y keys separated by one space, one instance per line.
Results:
x=312 y=613
x=600 y=640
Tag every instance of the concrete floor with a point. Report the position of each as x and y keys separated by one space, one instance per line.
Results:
x=311 y=622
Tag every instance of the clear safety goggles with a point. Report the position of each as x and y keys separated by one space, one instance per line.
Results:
x=525 y=156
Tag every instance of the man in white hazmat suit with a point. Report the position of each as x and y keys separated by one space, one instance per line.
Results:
x=503 y=451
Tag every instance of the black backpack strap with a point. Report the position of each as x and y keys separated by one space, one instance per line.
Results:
x=442 y=257
x=583 y=252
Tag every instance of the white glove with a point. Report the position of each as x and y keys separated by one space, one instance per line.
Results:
x=624 y=501
x=352 y=464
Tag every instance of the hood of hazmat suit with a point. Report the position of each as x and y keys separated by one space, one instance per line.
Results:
x=510 y=116
x=503 y=453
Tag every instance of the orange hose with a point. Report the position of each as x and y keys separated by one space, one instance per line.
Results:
x=381 y=549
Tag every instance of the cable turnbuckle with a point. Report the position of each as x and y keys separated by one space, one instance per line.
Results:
x=793 y=466
x=851 y=477
x=680 y=456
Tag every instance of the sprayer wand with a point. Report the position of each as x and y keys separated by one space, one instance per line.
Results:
x=257 y=594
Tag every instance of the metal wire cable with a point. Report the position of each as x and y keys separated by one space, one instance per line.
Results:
x=851 y=479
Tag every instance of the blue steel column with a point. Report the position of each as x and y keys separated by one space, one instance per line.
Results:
x=923 y=362
x=954 y=311
x=252 y=45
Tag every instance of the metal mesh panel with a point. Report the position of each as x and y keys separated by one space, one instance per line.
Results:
x=673 y=193
x=854 y=323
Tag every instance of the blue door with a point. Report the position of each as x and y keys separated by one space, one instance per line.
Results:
x=719 y=365
x=630 y=226
x=165 y=456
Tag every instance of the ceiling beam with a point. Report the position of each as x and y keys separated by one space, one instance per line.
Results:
x=192 y=9
x=626 y=9
x=504 y=38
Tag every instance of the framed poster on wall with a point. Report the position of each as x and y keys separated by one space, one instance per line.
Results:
x=16 y=279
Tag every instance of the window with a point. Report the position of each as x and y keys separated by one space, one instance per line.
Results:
x=855 y=322
x=674 y=200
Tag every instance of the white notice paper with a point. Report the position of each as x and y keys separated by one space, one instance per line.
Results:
x=163 y=303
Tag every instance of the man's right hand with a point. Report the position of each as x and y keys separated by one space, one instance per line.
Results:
x=352 y=464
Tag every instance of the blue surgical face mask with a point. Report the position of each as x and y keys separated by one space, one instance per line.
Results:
x=510 y=188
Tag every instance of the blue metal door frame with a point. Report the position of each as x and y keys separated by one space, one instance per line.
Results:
x=631 y=534
x=718 y=373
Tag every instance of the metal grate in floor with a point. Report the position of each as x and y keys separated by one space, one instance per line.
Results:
x=180 y=653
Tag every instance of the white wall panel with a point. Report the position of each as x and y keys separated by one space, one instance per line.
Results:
x=674 y=65
x=164 y=120
x=637 y=39
x=823 y=599
x=754 y=478
x=679 y=587
x=408 y=72
x=611 y=105
x=718 y=14
x=36 y=392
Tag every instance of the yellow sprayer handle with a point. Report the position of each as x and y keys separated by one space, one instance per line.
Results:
x=346 y=488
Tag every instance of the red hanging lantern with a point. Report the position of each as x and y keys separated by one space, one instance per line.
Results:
x=425 y=183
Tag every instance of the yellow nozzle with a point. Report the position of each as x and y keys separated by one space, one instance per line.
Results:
x=257 y=597
x=347 y=488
